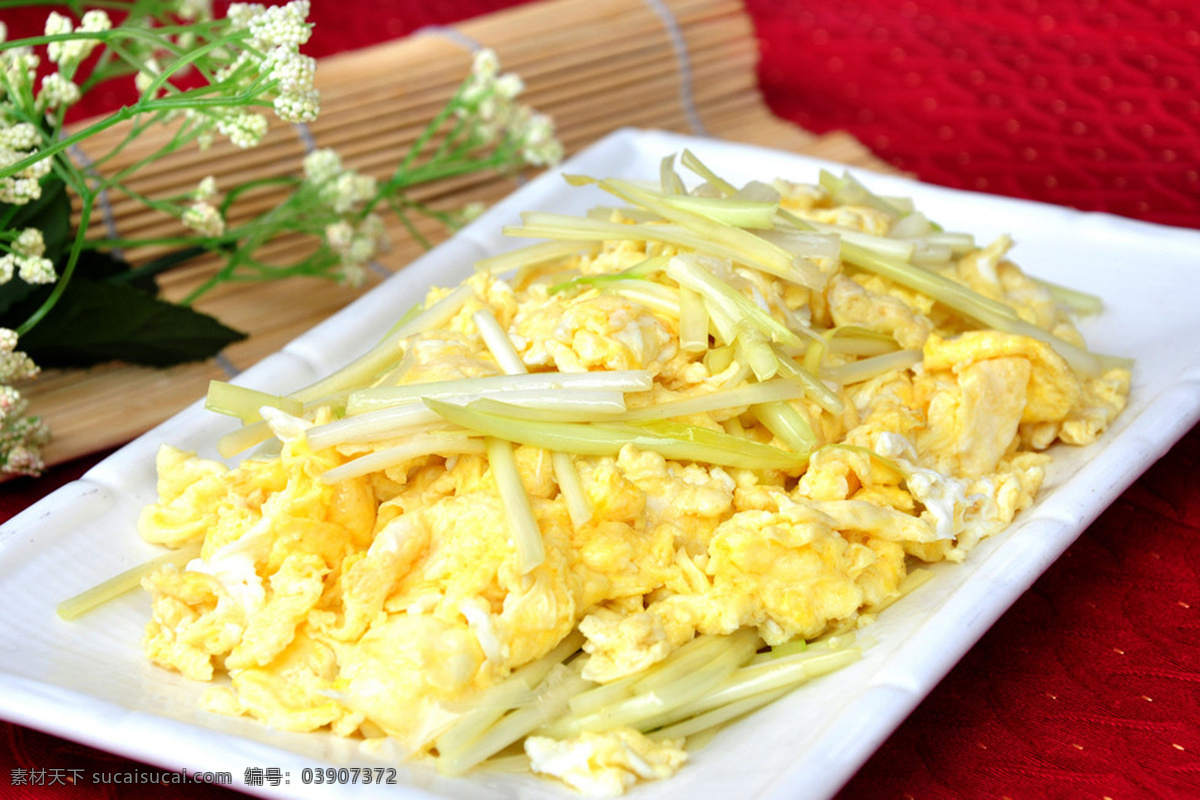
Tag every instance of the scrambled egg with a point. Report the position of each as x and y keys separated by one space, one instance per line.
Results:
x=380 y=604
x=605 y=764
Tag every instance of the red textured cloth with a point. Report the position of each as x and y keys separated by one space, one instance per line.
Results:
x=1088 y=687
x=1085 y=103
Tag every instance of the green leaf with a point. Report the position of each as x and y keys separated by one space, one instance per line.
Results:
x=101 y=265
x=95 y=321
x=14 y=294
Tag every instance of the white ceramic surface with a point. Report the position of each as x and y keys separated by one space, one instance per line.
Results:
x=88 y=681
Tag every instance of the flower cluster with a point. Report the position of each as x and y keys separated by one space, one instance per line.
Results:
x=356 y=244
x=488 y=100
x=259 y=64
x=23 y=185
x=21 y=435
x=26 y=256
x=279 y=31
x=341 y=189
x=58 y=89
x=202 y=216
x=355 y=238
x=68 y=55
x=239 y=69
x=18 y=142
x=193 y=10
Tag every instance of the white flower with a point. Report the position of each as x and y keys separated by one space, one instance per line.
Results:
x=509 y=85
x=8 y=340
x=21 y=136
x=339 y=235
x=342 y=189
x=70 y=53
x=19 y=191
x=95 y=21
x=22 y=459
x=195 y=10
x=21 y=436
x=203 y=125
x=472 y=211
x=12 y=404
x=294 y=71
x=348 y=190
x=24 y=185
x=372 y=226
x=226 y=72
x=362 y=249
x=240 y=14
x=244 y=129
x=282 y=25
x=30 y=243
x=301 y=106
x=57 y=24
x=18 y=66
x=14 y=364
x=539 y=129
x=27 y=260
x=486 y=65
x=479 y=84
x=544 y=155
x=204 y=219
x=538 y=145
x=487 y=99
x=36 y=170
x=494 y=114
x=206 y=189
x=352 y=274
x=322 y=165
x=57 y=92
x=36 y=270
x=356 y=246
x=147 y=74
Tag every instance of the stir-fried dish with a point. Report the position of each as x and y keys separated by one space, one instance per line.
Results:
x=624 y=485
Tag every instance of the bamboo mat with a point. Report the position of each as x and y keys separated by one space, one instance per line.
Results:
x=593 y=65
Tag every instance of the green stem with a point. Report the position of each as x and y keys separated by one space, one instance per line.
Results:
x=399 y=176
x=188 y=58
x=229 y=270
x=165 y=241
x=211 y=283
x=240 y=189
x=427 y=173
x=448 y=140
x=398 y=207
x=123 y=115
x=181 y=137
x=160 y=264
x=61 y=285
x=186 y=100
x=447 y=219
x=428 y=132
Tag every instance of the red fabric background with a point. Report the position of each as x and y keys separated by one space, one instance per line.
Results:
x=1089 y=687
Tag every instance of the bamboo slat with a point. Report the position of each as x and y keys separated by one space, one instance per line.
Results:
x=593 y=65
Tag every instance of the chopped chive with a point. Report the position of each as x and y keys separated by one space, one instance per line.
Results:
x=527 y=537
x=101 y=593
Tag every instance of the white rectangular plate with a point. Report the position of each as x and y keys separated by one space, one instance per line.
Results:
x=88 y=680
